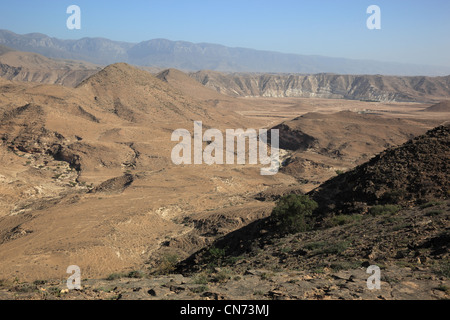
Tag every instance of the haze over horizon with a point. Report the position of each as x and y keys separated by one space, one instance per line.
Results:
x=414 y=32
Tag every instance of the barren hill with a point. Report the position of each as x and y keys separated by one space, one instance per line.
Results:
x=135 y=95
x=189 y=86
x=443 y=106
x=27 y=66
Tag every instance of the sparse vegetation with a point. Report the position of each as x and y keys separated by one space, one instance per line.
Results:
x=442 y=268
x=336 y=248
x=343 y=219
x=115 y=276
x=223 y=275
x=54 y=291
x=215 y=256
x=103 y=289
x=216 y=253
x=443 y=288
x=318 y=270
x=434 y=212
x=291 y=213
x=286 y=249
x=344 y=265
x=387 y=209
x=233 y=260
x=25 y=288
x=137 y=274
x=322 y=247
x=430 y=204
x=200 y=279
x=391 y=219
x=266 y=276
x=401 y=226
x=314 y=245
x=167 y=264
x=199 y=289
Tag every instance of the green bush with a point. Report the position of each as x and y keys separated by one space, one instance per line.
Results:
x=291 y=212
x=336 y=248
x=314 y=245
x=215 y=257
x=223 y=275
x=384 y=209
x=343 y=219
x=216 y=253
x=167 y=264
x=201 y=279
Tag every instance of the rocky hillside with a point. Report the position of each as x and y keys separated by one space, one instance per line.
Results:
x=414 y=173
x=354 y=87
x=409 y=245
x=27 y=66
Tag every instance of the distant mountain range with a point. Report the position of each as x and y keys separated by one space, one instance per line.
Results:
x=162 y=53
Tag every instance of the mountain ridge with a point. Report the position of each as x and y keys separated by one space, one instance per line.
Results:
x=198 y=56
x=327 y=85
x=214 y=85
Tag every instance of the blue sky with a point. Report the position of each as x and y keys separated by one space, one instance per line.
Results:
x=411 y=31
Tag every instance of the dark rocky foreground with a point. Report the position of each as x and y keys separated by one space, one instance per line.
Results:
x=410 y=247
x=398 y=283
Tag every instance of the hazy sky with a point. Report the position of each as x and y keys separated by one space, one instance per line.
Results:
x=411 y=31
